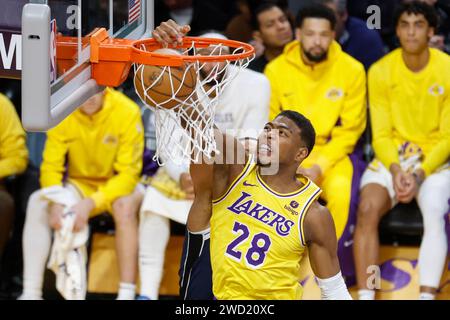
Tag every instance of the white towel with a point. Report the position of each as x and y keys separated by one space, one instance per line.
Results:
x=68 y=256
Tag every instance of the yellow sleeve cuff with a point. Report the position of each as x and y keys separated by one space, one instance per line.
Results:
x=100 y=201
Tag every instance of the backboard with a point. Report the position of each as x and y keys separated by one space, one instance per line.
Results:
x=57 y=81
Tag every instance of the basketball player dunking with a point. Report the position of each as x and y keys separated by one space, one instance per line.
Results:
x=262 y=224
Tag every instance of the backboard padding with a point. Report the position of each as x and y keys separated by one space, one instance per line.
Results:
x=44 y=102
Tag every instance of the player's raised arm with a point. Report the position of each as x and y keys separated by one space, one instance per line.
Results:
x=320 y=235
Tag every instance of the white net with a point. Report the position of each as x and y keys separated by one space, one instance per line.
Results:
x=185 y=111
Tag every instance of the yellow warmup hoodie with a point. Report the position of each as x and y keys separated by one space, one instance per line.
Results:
x=331 y=94
x=103 y=151
x=411 y=107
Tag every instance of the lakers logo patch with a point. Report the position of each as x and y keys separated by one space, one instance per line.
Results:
x=334 y=94
x=408 y=150
x=436 y=90
x=110 y=140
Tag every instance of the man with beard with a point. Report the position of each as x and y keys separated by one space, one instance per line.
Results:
x=316 y=78
x=356 y=39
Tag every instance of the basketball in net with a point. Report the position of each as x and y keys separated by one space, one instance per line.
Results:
x=165 y=86
x=182 y=86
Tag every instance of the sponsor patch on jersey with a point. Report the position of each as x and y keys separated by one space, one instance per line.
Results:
x=436 y=90
x=290 y=208
x=334 y=94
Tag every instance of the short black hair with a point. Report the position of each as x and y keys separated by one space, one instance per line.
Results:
x=259 y=6
x=307 y=132
x=417 y=7
x=316 y=10
x=262 y=7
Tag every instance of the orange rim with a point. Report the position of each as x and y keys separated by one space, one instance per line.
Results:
x=111 y=59
x=149 y=57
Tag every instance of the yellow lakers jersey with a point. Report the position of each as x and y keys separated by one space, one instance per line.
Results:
x=257 y=239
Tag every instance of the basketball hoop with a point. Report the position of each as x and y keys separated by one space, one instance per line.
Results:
x=194 y=76
x=197 y=137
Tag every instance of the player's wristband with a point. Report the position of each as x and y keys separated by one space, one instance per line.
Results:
x=334 y=288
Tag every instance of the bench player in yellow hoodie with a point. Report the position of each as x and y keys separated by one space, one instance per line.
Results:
x=409 y=96
x=13 y=160
x=96 y=152
x=315 y=77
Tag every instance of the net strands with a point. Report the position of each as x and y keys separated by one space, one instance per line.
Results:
x=185 y=132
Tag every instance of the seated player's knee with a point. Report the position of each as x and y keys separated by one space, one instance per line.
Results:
x=38 y=210
x=368 y=215
x=34 y=204
x=34 y=198
x=432 y=198
x=124 y=211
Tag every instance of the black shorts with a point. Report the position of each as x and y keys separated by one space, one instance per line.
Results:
x=195 y=268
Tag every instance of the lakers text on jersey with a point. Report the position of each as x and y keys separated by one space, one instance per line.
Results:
x=257 y=238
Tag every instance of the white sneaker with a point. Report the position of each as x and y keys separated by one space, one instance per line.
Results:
x=29 y=297
x=365 y=294
x=427 y=296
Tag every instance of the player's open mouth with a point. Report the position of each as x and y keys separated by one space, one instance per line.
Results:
x=265 y=149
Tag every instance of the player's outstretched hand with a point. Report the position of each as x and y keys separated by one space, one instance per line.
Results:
x=170 y=33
